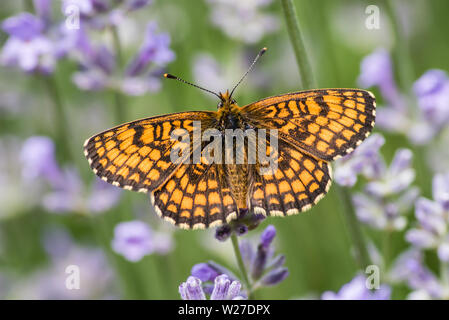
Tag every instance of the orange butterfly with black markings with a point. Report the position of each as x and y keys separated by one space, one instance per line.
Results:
x=313 y=127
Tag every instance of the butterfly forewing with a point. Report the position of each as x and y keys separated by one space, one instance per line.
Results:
x=136 y=155
x=326 y=124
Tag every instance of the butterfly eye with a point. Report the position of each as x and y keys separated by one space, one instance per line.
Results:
x=220 y=104
x=233 y=101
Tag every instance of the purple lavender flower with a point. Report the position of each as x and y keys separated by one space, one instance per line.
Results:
x=394 y=179
x=357 y=289
x=155 y=49
x=365 y=160
x=224 y=289
x=67 y=193
x=433 y=220
x=142 y=74
x=229 y=14
x=265 y=268
x=27 y=47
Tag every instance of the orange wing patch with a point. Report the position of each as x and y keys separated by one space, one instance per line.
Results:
x=197 y=196
x=326 y=124
x=136 y=156
x=298 y=183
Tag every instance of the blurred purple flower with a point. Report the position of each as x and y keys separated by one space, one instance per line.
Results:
x=433 y=219
x=229 y=14
x=135 y=239
x=357 y=289
x=409 y=267
x=43 y=10
x=38 y=160
x=142 y=74
x=155 y=49
x=224 y=289
x=432 y=92
x=376 y=69
x=27 y=47
x=394 y=179
x=364 y=160
x=67 y=193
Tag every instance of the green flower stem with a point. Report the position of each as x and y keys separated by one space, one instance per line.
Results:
x=296 y=39
x=308 y=82
x=401 y=53
x=119 y=98
x=238 y=255
x=61 y=122
x=353 y=224
x=386 y=247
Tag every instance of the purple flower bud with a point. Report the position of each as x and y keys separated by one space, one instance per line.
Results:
x=24 y=26
x=267 y=236
x=104 y=59
x=241 y=230
x=155 y=49
x=430 y=82
x=222 y=233
x=137 y=4
x=430 y=216
x=259 y=263
x=277 y=262
x=204 y=272
x=420 y=238
x=432 y=91
x=43 y=9
x=356 y=289
x=274 y=276
x=38 y=160
x=224 y=289
x=191 y=289
x=104 y=196
x=376 y=70
x=247 y=251
x=221 y=288
x=132 y=240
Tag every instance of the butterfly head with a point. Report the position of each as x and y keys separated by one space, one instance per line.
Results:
x=226 y=100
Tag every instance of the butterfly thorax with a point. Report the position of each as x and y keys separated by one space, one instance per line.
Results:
x=229 y=117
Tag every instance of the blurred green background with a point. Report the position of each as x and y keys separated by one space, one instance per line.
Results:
x=316 y=243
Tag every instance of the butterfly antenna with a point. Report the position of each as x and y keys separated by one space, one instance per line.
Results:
x=261 y=52
x=170 y=76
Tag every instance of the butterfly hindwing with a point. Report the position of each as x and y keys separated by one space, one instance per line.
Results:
x=294 y=184
x=136 y=155
x=326 y=124
x=197 y=196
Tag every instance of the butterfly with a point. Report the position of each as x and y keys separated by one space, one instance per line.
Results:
x=313 y=127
